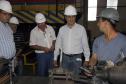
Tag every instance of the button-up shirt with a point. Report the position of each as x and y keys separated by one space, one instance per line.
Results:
x=40 y=38
x=7 y=45
x=72 y=41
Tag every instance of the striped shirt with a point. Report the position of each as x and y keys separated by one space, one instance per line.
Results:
x=7 y=45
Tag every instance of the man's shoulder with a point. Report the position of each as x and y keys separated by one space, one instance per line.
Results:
x=79 y=25
x=34 y=29
x=63 y=27
x=122 y=36
x=49 y=26
x=50 y=29
x=99 y=38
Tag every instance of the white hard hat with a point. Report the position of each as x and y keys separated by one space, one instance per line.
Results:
x=6 y=6
x=14 y=20
x=40 y=18
x=70 y=10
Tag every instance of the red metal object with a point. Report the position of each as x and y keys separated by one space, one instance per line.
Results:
x=18 y=1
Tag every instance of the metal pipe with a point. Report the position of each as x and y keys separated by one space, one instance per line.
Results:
x=115 y=75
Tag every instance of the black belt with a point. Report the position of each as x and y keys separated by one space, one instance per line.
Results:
x=3 y=60
x=71 y=55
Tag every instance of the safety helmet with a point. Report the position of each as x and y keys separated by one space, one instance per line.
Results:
x=40 y=18
x=70 y=10
x=6 y=6
x=14 y=20
x=110 y=13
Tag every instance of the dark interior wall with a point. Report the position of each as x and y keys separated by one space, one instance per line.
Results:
x=122 y=13
x=94 y=31
x=122 y=9
x=122 y=26
x=25 y=28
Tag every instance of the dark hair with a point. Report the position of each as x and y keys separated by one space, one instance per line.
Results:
x=1 y=10
x=112 y=22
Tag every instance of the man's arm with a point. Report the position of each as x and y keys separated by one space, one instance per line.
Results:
x=53 y=38
x=57 y=48
x=93 y=60
x=53 y=46
x=85 y=46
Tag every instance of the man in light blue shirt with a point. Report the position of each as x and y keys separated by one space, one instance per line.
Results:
x=112 y=50
x=7 y=45
x=111 y=46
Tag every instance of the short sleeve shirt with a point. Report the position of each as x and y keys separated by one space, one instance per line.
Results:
x=110 y=50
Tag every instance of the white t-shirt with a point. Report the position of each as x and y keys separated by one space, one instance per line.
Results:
x=40 y=38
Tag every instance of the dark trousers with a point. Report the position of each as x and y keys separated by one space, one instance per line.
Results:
x=45 y=62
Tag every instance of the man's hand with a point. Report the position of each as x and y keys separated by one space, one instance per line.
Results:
x=93 y=60
x=86 y=63
x=46 y=50
x=110 y=64
x=52 y=49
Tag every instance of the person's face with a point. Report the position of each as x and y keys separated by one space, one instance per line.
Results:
x=41 y=25
x=5 y=16
x=13 y=27
x=71 y=20
x=101 y=25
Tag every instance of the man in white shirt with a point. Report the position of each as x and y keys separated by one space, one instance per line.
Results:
x=42 y=39
x=7 y=44
x=72 y=41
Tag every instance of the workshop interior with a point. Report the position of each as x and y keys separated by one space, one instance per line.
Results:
x=93 y=21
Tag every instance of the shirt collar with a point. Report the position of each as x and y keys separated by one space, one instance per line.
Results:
x=72 y=26
x=40 y=29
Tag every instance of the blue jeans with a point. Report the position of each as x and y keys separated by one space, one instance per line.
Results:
x=45 y=62
x=72 y=63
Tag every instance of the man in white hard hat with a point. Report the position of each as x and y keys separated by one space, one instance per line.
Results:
x=13 y=22
x=111 y=46
x=7 y=45
x=18 y=36
x=72 y=41
x=42 y=39
x=19 y=42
